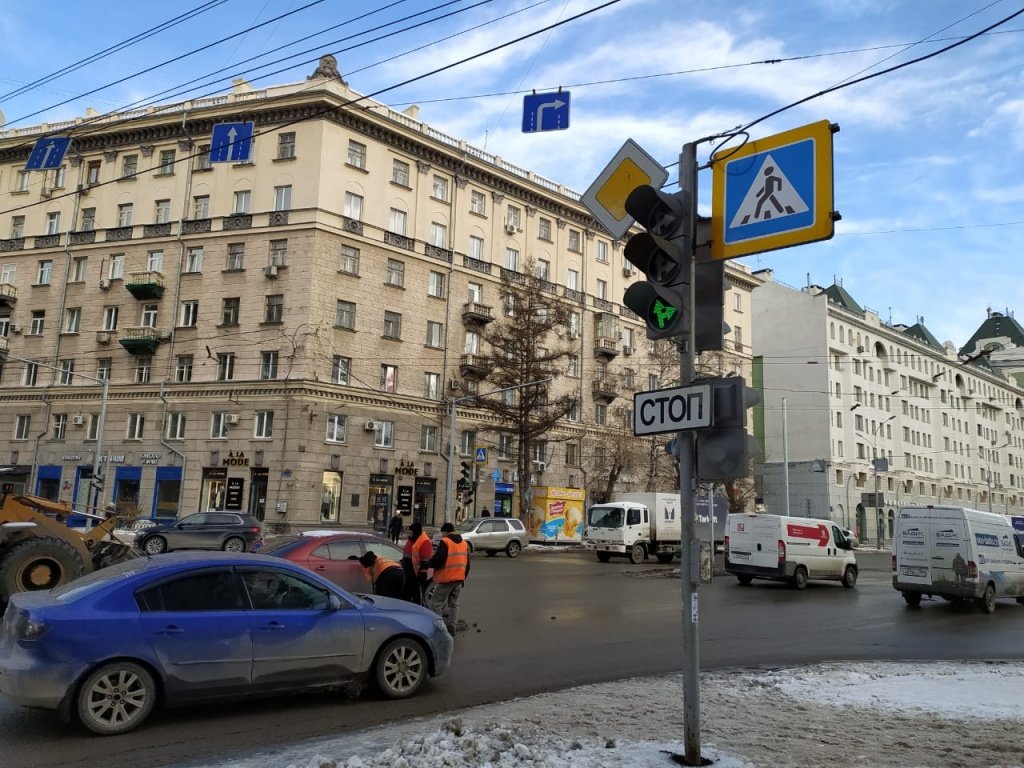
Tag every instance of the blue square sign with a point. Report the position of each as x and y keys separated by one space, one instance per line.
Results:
x=48 y=153
x=231 y=143
x=545 y=112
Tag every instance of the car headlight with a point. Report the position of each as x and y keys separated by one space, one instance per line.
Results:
x=439 y=625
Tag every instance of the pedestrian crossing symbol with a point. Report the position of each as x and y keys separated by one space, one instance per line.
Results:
x=773 y=193
x=481 y=455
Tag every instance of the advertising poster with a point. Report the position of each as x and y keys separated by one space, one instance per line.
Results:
x=556 y=515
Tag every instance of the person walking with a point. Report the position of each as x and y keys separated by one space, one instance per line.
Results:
x=418 y=549
x=395 y=526
x=451 y=567
x=387 y=576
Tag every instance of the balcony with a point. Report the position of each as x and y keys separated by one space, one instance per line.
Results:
x=400 y=241
x=8 y=295
x=141 y=340
x=606 y=348
x=118 y=234
x=5 y=346
x=472 y=312
x=604 y=390
x=14 y=244
x=145 y=285
x=195 y=226
x=473 y=366
x=237 y=221
x=84 y=237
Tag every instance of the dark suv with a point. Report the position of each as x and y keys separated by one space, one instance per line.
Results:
x=230 y=531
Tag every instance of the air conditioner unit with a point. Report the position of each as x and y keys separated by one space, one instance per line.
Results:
x=370 y=425
x=103 y=337
x=627 y=351
x=627 y=270
x=510 y=228
x=454 y=385
x=45 y=192
x=104 y=284
x=540 y=466
x=231 y=418
x=16 y=328
x=270 y=271
x=78 y=421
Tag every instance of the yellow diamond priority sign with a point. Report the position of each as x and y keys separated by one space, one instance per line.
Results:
x=606 y=198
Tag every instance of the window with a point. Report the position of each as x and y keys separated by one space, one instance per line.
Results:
x=203 y=158
x=274 y=310
x=353 y=206
x=737 y=336
x=45 y=272
x=435 y=284
x=345 y=315
x=92 y=172
x=510 y=305
x=467 y=442
x=575 y=322
x=31 y=373
x=88 y=220
x=60 y=426
x=357 y=154
x=438 y=235
x=116 y=270
x=230 y=309
x=104 y=366
x=396 y=273
x=435 y=333
x=125 y=211
x=285 y=146
x=18 y=227
x=283 y=198
x=189 y=314
x=504 y=446
x=163 y=211
x=572 y=280
x=477 y=203
x=136 y=426
x=183 y=368
x=166 y=163
x=22 y=425
x=219 y=425
x=602 y=251
x=175 y=425
x=53 y=223
x=155 y=261
x=573 y=366
x=143 y=369
x=201 y=207
x=475 y=292
x=544 y=229
x=22 y=181
x=225 y=366
x=268 y=365
x=129 y=166
x=400 y=173
x=38 y=322
x=600 y=414
x=432 y=386
x=279 y=253
x=392 y=325
x=513 y=217
x=384 y=434
x=264 y=424
x=574 y=241
x=512 y=259
x=388 y=377
x=428 y=438
x=476 y=247
x=396 y=221
x=67 y=372
x=572 y=454
x=440 y=188
x=336 y=426
x=236 y=256
x=601 y=289
x=194 y=260
x=78 y=265
x=340 y=367
x=243 y=200
x=472 y=345
x=543 y=269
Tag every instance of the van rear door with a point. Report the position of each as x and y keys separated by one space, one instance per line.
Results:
x=949 y=549
x=912 y=547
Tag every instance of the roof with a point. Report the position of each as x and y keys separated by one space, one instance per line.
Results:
x=839 y=295
x=996 y=326
x=920 y=333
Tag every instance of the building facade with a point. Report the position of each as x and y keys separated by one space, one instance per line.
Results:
x=283 y=335
x=869 y=415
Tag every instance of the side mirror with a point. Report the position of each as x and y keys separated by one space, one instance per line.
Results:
x=336 y=604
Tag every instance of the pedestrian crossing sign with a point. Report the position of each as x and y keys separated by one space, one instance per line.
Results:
x=481 y=455
x=773 y=193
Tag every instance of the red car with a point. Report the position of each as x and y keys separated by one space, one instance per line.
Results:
x=334 y=554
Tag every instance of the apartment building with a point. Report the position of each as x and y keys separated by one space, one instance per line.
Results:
x=875 y=414
x=283 y=335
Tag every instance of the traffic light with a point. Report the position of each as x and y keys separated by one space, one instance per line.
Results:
x=725 y=448
x=663 y=254
x=464 y=478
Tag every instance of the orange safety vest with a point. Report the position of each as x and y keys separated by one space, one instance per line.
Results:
x=454 y=568
x=379 y=566
x=417 y=559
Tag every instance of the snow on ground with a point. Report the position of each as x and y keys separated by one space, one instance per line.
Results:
x=848 y=715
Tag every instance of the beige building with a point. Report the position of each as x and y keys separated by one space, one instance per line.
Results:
x=282 y=335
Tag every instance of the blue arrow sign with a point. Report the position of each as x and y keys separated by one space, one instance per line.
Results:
x=545 y=112
x=231 y=143
x=496 y=476
x=48 y=153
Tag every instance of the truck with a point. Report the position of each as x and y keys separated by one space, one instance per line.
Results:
x=635 y=525
x=39 y=551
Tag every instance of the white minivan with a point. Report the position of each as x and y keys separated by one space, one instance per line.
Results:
x=957 y=554
x=794 y=549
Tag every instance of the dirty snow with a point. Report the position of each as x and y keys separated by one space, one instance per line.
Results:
x=849 y=715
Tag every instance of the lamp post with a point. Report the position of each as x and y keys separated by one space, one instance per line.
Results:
x=99 y=426
x=451 y=439
x=988 y=470
x=878 y=464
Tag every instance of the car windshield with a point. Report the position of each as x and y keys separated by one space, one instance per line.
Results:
x=281 y=547
x=468 y=525
x=604 y=517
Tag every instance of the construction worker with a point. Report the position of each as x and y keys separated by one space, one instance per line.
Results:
x=451 y=567
x=418 y=549
x=386 y=575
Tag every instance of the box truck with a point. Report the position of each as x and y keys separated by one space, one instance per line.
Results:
x=793 y=549
x=634 y=525
x=957 y=553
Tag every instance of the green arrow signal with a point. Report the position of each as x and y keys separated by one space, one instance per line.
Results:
x=662 y=313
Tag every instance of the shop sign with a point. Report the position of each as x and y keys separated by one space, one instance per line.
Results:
x=71 y=457
x=233 y=498
x=235 y=459
x=406 y=468
x=113 y=459
x=149 y=458
x=378 y=479
x=405 y=499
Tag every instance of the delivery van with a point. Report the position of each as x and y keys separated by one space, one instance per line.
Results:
x=793 y=549
x=957 y=554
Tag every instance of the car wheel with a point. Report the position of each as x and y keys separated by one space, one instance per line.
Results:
x=604 y=557
x=401 y=668
x=116 y=698
x=913 y=599
x=637 y=554
x=492 y=552
x=513 y=548
x=744 y=580
x=234 y=544
x=154 y=545
x=850 y=577
x=800 y=577
x=987 y=602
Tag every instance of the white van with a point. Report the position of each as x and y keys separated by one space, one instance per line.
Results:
x=957 y=554
x=793 y=549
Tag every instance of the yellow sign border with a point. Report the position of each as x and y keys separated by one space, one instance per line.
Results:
x=824 y=215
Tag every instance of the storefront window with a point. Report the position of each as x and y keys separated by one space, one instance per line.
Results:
x=330 y=503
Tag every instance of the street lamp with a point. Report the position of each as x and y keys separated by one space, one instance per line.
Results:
x=987 y=456
x=99 y=427
x=878 y=464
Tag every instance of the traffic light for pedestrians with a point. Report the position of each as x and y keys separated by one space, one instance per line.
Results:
x=725 y=448
x=662 y=253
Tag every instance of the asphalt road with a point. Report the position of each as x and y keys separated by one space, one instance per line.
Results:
x=549 y=621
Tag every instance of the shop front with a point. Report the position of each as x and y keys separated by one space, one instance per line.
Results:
x=504 y=493
x=48 y=481
x=381 y=493
x=14 y=478
x=259 y=479
x=425 y=501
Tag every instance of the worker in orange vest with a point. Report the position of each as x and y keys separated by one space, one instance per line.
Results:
x=451 y=567
x=418 y=549
x=386 y=575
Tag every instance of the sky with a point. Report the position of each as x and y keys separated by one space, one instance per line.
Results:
x=843 y=715
x=927 y=161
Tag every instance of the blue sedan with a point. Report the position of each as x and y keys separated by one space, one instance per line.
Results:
x=200 y=626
